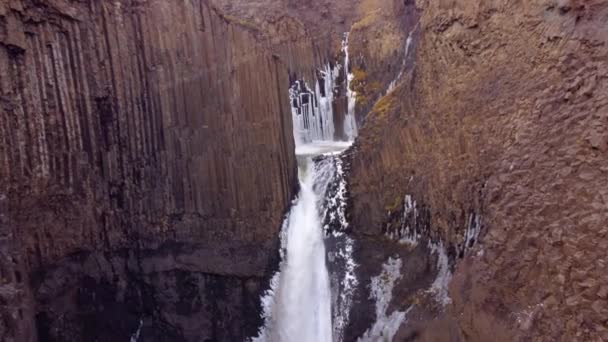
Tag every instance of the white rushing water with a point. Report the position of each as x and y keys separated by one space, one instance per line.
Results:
x=350 y=121
x=298 y=305
x=312 y=108
x=303 y=304
x=302 y=309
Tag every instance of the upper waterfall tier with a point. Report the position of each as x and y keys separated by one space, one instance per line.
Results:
x=318 y=113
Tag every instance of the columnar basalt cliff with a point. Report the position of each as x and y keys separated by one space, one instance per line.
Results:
x=147 y=159
x=498 y=130
x=308 y=36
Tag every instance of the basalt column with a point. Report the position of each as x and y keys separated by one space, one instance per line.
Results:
x=146 y=158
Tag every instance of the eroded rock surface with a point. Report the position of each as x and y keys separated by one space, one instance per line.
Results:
x=501 y=119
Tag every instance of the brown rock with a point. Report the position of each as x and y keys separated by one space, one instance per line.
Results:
x=603 y=292
x=599 y=306
x=588 y=283
x=147 y=153
x=487 y=92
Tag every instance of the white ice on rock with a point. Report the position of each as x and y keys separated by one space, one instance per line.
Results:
x=135 y=336
x=472 y=232
x=344 y=280
x=386 y=325
x=350 y=121
x=312 y=110
x=439 y=288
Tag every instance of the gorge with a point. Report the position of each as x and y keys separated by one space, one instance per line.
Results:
x=320 y=170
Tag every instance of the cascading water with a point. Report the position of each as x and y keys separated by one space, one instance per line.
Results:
x=303 y=299
x=408 y=44
x=311 y=296
x=299 y=305
x=305 y=302
x=350 y=121
x=312 y=111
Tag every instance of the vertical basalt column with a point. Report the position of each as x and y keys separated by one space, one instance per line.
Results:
x=137 y=150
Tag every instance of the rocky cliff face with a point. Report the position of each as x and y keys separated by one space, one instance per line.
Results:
x=308 y=37
x=147 y=158
x=500 y=124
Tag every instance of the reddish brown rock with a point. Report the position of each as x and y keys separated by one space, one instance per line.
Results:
x=502 y=116
x=146 y=161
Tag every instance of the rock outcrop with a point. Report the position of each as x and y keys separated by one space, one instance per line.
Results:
x=146 y=161
x=499 y=124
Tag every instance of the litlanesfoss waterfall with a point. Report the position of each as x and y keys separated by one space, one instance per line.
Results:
x=305 y=303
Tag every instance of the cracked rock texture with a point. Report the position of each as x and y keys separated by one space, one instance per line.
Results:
x=146 y=159
x=504 y=115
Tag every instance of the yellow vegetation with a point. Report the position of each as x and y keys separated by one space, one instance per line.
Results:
x=385 y=105
x=366 y=91
x=396 y=204
x=240 y=21
x=367 y=20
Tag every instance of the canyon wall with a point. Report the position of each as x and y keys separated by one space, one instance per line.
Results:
x=146 y=161
x=306 y=34
x=500 y=124
x=378 y=44
x=308 y=37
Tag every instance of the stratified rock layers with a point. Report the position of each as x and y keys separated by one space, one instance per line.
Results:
x=502 y=118
x=146 y=160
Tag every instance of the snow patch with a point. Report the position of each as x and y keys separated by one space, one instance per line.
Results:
x=343 y=254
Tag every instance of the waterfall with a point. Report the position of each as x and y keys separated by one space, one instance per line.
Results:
x=408 y=44
x=350 y=121
x=305 y=301
x=312 y=110
x=298 y=307
x=302 y=309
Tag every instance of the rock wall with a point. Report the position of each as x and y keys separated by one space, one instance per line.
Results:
x=306 y=35
x=378 y=39
x=500 y=120
x=146 y=160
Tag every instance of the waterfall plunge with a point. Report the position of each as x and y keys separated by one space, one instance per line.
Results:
x=350 y=121
x=298 y=305
x=302 y=311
